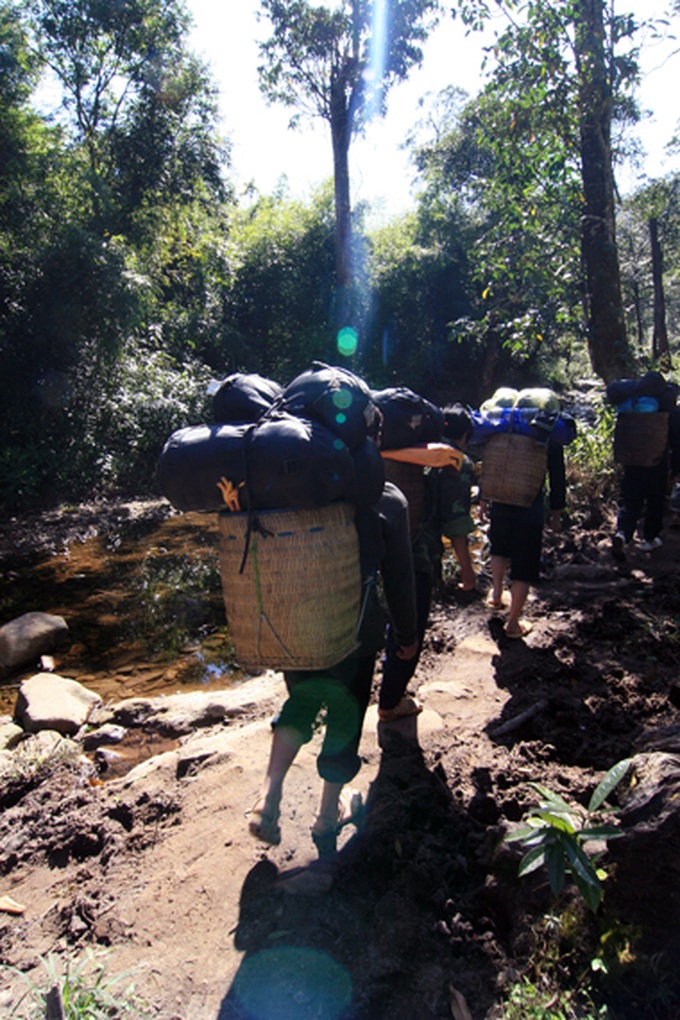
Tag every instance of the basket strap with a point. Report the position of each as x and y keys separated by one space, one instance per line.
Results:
x=261 y=614
x=368 y=586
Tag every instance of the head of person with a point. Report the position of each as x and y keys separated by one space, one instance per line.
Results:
x=458 y=424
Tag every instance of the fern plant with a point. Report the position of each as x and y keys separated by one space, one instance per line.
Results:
x=562 y=838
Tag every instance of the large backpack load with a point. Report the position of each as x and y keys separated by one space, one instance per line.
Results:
x=407 y=418
x=642 y=414
x=293 y=601
x=285 y=470
x=336 y=398
x=514 y=427
x=533 y=412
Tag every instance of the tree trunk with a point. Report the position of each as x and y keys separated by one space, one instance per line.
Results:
x=608 y=347
x=660 y=348
x=341 y=133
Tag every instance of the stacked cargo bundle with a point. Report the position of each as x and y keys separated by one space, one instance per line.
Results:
x=642 y=412
x=285 y=468
x=515 y=427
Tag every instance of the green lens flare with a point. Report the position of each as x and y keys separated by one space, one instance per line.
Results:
x=347 y=341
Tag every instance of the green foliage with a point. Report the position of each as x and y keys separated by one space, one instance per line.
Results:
x=660 y=199
x=281 y=287
x=150 y=397
x=563 y=72
x=320 y=60
x=592 y=475
x=83 y=989
x=417 y=283
x=339 y=64
x=529 y=1000
x=558 y=836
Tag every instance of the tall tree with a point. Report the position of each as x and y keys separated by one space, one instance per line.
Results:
x=609 y=351
x=339 y=63
x=140 y=108
x=568 y=54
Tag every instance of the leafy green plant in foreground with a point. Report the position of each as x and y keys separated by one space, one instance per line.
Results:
x=82 y=991
x=563 y=838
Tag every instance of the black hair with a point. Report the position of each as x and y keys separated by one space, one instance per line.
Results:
x=457 y=422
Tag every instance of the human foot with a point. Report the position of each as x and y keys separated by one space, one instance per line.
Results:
x=518 y=630
x=407 y=706
x=325 y=830
x=264 y=825
x=495 y=602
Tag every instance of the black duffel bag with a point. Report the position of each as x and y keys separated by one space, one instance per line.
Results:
x=295 y=462
x=408 y=418
x=194 y=461
x=335 y=397
x=244 y=397
x=282 y=461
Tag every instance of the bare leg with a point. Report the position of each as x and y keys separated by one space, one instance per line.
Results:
x=518 y=596
x=329 y=807
x=462 y=553
x=286 y=742
x=499 y=566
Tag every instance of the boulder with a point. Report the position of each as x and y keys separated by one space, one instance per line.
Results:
x=48 y=701
x=644 y=888
x=27 y=637
x=10 y=733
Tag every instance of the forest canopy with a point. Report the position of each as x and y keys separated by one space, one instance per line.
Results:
x=132 y=275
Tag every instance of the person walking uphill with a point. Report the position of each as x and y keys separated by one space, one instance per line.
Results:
x=647 y=447
x=516 y=540
x=344 y=690
x=524 y=433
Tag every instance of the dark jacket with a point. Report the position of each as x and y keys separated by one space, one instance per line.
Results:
x=385 y=549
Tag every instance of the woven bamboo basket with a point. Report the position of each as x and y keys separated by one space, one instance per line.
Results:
x=411 y=480
x=640 y=439
x=513 y=469
x=295 y=605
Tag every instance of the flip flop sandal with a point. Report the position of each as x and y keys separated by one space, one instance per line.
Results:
x=521 y=632
x=263 y=827
x=496 y=604
x=407 y=706
x=351 y=811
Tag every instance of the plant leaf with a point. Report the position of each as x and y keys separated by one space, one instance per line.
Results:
x=599 y=832
x=524 y=832
x=558 y=821
x=531 y=861
x=554 y=859
x=552 y=800
x=610 y=780
x=580 y=863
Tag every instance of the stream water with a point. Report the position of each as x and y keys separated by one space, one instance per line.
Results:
x=139 y=588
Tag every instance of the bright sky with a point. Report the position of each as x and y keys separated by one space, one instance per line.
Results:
x=265 y=149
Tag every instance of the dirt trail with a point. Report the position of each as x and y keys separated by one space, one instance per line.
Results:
x=161 y=872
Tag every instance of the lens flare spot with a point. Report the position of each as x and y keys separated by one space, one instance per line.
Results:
x=342 y=399
x=340 y=418
x=290 y=982
x=348 y=341
x=338 y=444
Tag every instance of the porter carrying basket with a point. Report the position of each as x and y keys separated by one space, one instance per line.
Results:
x=513 y=469
x=291 y=583
x=640 y=438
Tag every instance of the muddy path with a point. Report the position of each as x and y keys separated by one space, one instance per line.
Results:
x=423 y=907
